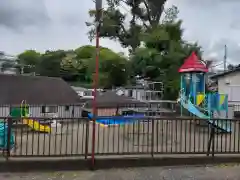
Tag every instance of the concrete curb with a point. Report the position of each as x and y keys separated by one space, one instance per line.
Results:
x=31 y=165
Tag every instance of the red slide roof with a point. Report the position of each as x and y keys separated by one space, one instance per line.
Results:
x=193 y=64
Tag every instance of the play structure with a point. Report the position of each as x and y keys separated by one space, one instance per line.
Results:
x=207 y=106
x=23 y=112
x=115 y=120
x=4 y=136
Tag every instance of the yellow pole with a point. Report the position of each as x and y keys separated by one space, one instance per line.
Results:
x=21 y=107
x=25 y=107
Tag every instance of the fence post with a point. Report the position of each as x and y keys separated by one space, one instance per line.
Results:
x=9 y=130
x=87 y=140
x=213 y=138
x=153 y=132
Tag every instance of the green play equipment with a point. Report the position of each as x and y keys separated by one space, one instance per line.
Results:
x=19 y=112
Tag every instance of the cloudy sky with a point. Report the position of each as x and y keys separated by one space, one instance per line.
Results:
x=44 y=24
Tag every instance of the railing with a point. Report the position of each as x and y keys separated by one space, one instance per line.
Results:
x=154 y=134
x=68 y=137
x=148 y=135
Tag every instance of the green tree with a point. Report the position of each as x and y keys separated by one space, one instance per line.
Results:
x=112 y=66
x=29 y=57
x=28 y=61
x=50 y=64
x=145 y=15
x=164 y=51
x=79 y=65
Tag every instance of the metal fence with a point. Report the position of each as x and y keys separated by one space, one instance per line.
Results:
x=148 y=135
x=153 y=134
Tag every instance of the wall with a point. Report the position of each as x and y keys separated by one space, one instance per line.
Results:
x=73 y=111
x=107 y=111
x=4 y=111
x=230 y=84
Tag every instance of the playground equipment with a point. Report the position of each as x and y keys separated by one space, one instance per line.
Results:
x=35 y=125
x=4 y=136
x=193 y=97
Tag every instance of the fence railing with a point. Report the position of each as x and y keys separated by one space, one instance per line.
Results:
x=148 y=135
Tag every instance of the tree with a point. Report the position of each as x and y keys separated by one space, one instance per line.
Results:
x=113 y=69
x=112 y=66
x=50 y=64
x=7 y=62
x=230 y=67
x=7 y=65
x=145 y=15
x=164 y=51
x=28 y=60
x=29 y=57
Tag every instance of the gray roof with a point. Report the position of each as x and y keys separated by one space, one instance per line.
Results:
x=237 y=69
x=111 y=99
x=79 y=88
x=36 y=90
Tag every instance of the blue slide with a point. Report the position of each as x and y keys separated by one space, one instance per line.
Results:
x=219 y=124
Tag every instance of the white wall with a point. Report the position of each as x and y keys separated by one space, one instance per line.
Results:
x=74 y=111
x=230 y=84
x=4 y=111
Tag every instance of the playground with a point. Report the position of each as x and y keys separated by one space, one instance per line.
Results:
x=136 y=133
x=153 y=136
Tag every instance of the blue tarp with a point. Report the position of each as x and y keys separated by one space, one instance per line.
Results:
x=3 y=136
x=110 y=120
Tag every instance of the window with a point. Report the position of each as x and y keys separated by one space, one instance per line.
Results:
x=67 y=108
x=43 y=110
x=130 y=93
x=88 y=93
x=49 y=109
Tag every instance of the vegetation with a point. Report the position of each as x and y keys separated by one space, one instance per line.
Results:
x=154 y=38
x=152 y=33
x=75 y=66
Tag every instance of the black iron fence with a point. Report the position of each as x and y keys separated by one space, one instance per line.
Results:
x=148 y=135
x=67 y=131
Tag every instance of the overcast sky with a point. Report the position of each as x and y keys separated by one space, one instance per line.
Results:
x=54 y=24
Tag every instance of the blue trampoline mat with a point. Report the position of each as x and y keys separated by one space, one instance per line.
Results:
x=117 y=120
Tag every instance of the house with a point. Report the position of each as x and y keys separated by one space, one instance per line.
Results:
x=229 y=83
x=44 y=95
x=85 y=93
x=148 y=92
x=110 y=103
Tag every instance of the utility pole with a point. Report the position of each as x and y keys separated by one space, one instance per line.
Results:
x=98 y=21
x=225 y=58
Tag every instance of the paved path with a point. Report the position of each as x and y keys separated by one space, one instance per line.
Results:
x=228 y=172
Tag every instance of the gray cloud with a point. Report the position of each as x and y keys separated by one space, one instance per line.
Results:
x=212 y=23
x=18 y=14
x=233 y=50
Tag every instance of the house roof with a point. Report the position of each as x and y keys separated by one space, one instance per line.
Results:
x=35 y=90
x=222 y=74
x=111 y=99
x=193 y=64
x=79 y=88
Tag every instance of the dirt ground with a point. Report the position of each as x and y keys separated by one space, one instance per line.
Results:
x=159 y=137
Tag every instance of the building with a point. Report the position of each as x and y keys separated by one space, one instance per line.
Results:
x=147 y=92
x=44 y=95
x=109 y=104
x=229 y=83
x=84 y=92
